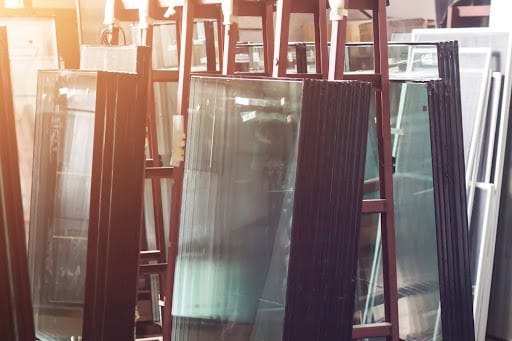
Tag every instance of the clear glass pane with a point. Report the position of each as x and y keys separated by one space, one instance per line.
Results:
x=165 y=107
x=32 y=46
x=150 y=242
x=237 y=204
x=406 y=61
x=250 y=58
x=199 y=47
x=60 y=201
x=371 y=172
x=165 y=47
x=369 y=289
x=418 y=277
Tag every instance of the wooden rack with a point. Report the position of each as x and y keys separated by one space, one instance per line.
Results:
x=464 y=16
x=275 y=50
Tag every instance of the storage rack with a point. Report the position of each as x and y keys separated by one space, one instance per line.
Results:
x=380 y=81
x=327 y=67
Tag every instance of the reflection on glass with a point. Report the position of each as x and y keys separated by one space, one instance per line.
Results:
x=165 y=48
x=236 y=215
x=418 y=278
x=149 y=308
x=371 y=172
x=60 y=201
x=32 y=46
x=110 y=58
x=250 y=57
x=369 y=288
x=165 y=107
x=404 y=60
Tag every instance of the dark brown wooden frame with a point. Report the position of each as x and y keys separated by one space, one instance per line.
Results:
x=16 y=308
x=116 y=207
x=464 y=16
x=323 y=259
x=380 y=81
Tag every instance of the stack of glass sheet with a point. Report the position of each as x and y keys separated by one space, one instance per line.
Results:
x=86 y=203
x=15 y=308
x=487 y=219
x=271 y=209
x=135 y=59
x=425 y=246
x=450 y=212
x=32 y=47
x=131 y=59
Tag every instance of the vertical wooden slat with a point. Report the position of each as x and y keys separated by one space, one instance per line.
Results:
x=337 y=52
x=211 y=55
x=230 y=39
x=321 y=41
x=268 y=35
x=220 y=38
x=301 y=58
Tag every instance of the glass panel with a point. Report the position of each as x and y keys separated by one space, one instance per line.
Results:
x=60 y=201
x=149 y=241
x=165 y=48
x=359 y=58
x=418 y=278
x=475 y=73
x=237 y=204
x=148 y=304
x=165 y=107
x=32 y=46
x=109 y=58
x=405 y=60
x=369 y=290
x=416 y=240
x=148 y=309
x=199 y=47
x=250 y=57
x=166 y=189
x=371 y=173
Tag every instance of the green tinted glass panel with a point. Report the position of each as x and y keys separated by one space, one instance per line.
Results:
x=237 y=205
x=418 y=278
